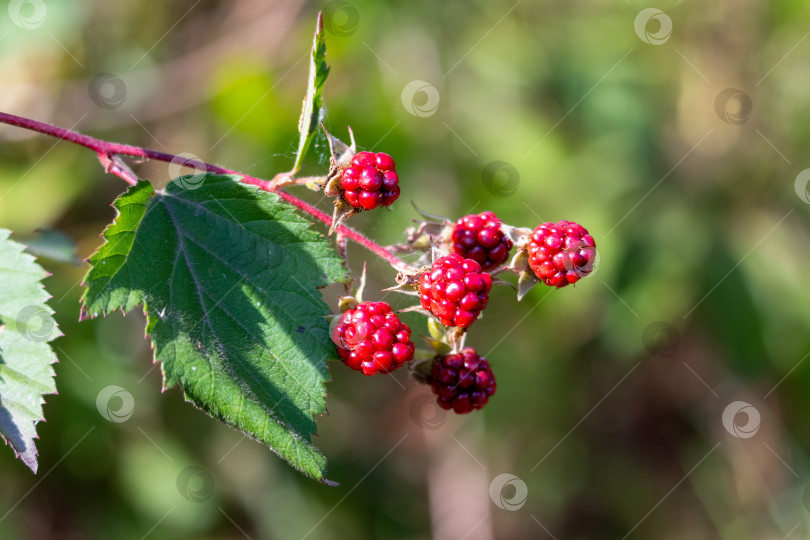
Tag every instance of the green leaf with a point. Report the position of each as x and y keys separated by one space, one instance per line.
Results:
x=26 y=327
x=54 y=245
x=313 y=110
x=228 y=278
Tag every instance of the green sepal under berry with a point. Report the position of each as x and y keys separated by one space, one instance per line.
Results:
x=526 y=278
x=340 y=157
x=438 y=344
x=26 y=327
x=227 y=275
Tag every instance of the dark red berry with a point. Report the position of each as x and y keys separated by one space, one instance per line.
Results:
x=390 y=180
x=370 y=181
x=384 y=162
x=350 y=179
x=455 y=290
x=369 y=200
x=371 y=338
x=479 y=237
x=561 y=253
x=462 y=381
x=390 y=196
x=364 y=160
x=352 y=198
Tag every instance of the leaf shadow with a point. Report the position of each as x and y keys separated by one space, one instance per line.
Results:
x=8 y=427
x=10 y=432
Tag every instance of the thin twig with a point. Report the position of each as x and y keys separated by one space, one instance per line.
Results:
x=108 y=153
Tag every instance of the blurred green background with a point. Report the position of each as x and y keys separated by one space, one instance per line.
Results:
x=611 y=395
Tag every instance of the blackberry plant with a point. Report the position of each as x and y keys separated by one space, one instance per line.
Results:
x=226 y=268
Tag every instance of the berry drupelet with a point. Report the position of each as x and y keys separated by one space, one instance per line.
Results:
x=462 y=381
x=455 y=290
x=561 y=253
x=371 y=338
x=479 y=237
x=370 y=181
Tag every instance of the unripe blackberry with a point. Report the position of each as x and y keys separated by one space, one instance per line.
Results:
x=370 y=181
x=455 y=290
x=479 y=237
x=463 y=381
x=371 y=338
x=561 y=253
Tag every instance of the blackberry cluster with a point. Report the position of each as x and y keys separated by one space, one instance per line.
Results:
x=371 y=338
x=479 y=237
x=370 y=181
x=455 y=290
x=462 y=382
x=561 y=253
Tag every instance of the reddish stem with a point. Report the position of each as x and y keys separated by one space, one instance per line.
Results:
x=108 y=151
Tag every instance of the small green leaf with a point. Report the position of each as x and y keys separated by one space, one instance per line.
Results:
x=54 y=245
x=228 y=277
x=312 y=110
x=26 y=327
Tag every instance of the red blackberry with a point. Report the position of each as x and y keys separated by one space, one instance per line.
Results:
x=561 y=253
x=455 y=290
x=370 y=181
x=462 y=381
x=371 y=338
x=479 y=237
